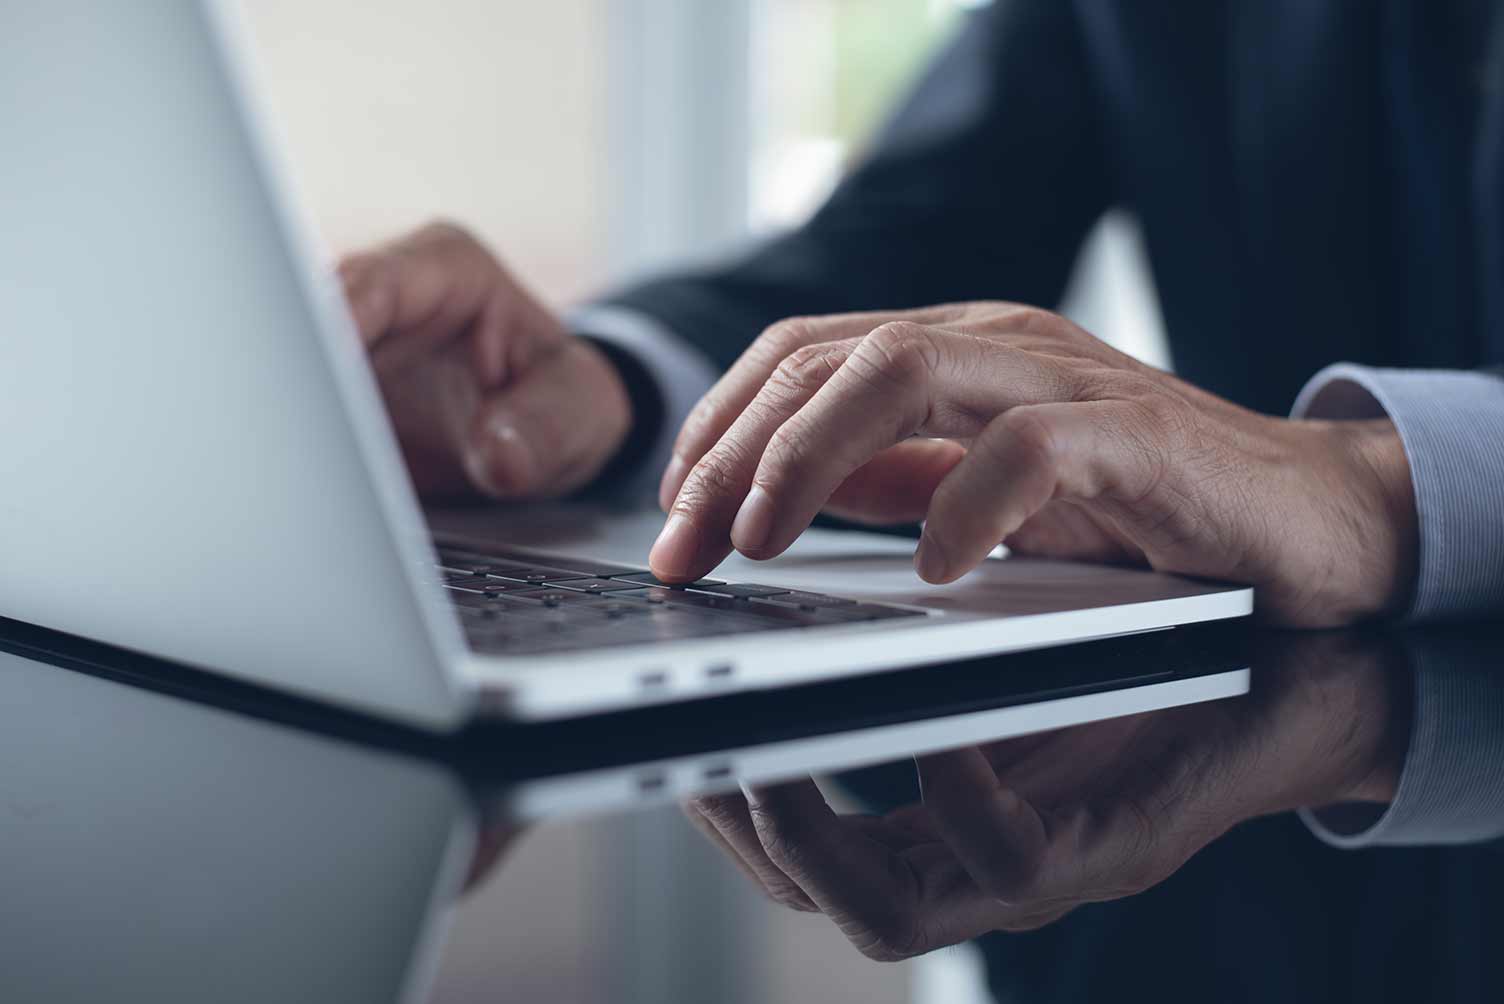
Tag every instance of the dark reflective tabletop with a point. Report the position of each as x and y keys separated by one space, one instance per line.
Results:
x=168 y=838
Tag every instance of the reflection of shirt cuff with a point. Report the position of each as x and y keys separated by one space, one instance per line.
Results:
x=1452 y=424
x=1451 y=788
x=681 y=373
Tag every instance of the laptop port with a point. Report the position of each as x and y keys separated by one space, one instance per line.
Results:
x=718 y=671
x=717 y=772
x=651 y=782
x=653 y=679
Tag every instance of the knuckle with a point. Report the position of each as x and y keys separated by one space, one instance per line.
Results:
x=788 y=450
x=787 y=894
x=780 y=844
x=1025 y=429
x=893 y=937
x=806 y=370
x=698 y=427
x=719 y=811
x=783 y=337
x=902 y=349
x=356 y=261
x=1023 y=318
x=445 y=230
x=380 y=288
x=1038 y=319
x=715 y=476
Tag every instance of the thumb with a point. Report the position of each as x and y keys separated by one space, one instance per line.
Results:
x=550 y=430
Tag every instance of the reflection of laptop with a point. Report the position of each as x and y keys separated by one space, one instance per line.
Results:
x=306 y=829
x=194 y=463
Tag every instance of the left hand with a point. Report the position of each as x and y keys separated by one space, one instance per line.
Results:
x=1040 y=436
x=1014 y=835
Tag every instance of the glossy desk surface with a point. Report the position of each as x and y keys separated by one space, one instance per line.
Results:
x=164 y=838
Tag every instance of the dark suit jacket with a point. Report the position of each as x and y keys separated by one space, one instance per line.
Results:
x=1317 y=180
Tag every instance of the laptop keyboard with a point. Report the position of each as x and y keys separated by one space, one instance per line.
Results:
x=516 y=604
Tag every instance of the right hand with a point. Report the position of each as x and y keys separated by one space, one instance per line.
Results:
x=486 y=390
x=1015 y=834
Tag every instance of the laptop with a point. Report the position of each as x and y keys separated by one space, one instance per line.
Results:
x=195 y=462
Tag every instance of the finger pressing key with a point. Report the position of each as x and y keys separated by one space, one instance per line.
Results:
x=729 y=398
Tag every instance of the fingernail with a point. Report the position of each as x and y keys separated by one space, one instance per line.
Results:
x=930 y=561
x=754 y=521
x=673 y=477
x=674 y=551
x=500 y=462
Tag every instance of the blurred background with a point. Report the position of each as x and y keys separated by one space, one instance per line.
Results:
x=588 y=141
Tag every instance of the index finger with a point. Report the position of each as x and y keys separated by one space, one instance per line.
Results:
x=902 y=380
x=893 y=898
x=721 y=405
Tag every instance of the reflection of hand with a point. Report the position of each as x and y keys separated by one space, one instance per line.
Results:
x=1042 y=436
x=1016 y=834
x=486 y=390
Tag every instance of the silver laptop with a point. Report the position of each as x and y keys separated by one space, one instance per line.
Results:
x=194 y=460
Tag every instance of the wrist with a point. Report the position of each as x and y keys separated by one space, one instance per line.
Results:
x=1342 y=715
x=1380 y=732
x=1380 y=474
x=1346 y=545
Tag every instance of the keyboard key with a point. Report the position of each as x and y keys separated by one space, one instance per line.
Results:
x=557 y=597
x=518 y=603
x=648 y=578
x=468 y=563
x=682 y=598
x=807 y=601
x=599 y=569
x=593 y=585
x=728 y=606
x=486 y=586
x=535 y=574
x=468 y=558
x=738 y=591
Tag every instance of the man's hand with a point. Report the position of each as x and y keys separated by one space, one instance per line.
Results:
x=1038 y=435
x=486 y=390
x=1014 y=835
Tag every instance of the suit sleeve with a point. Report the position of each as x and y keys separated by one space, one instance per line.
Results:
x=982 y=186
x=1452 y=424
